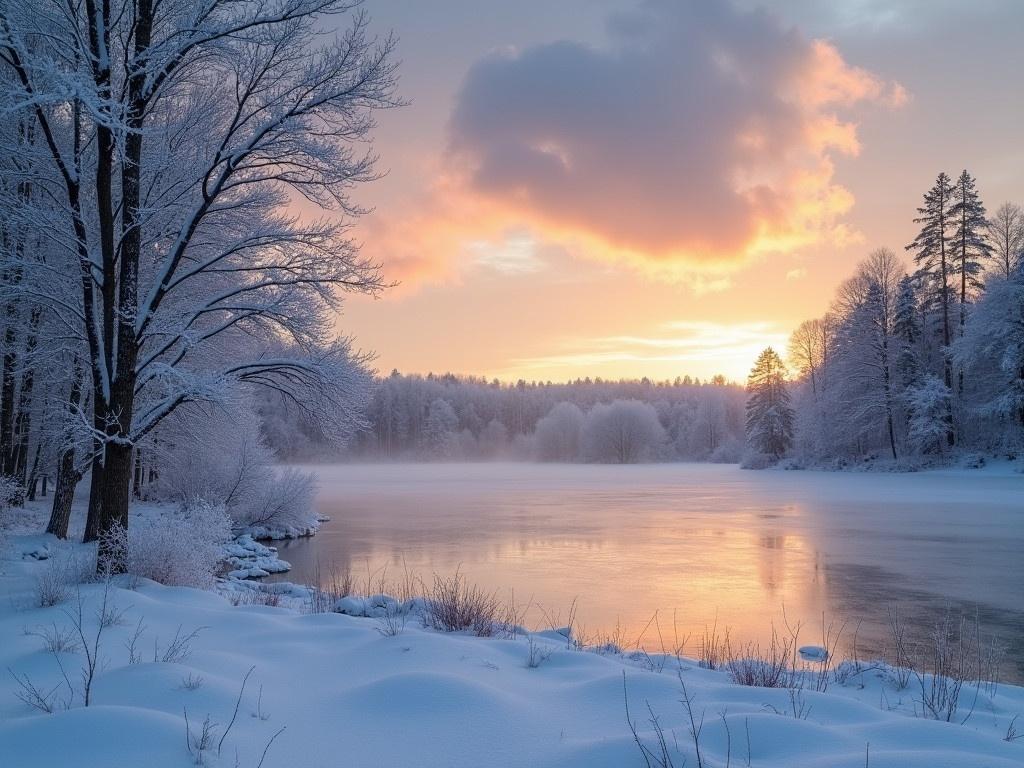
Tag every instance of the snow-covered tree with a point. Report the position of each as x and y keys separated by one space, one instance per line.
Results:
x=906 y=331
x=493 y=440
x=933 y=253
x=172 y=137
x=769 y=414
x=970 y=248
x=993 y=348
x=622 y=432
x=929 y=405
x=440 y=430
x=557 y=435
x=701 y=419
x=864 y=395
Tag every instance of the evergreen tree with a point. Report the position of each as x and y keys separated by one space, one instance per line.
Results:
x=769 y=415
x=929 y=404
x=970 y=248
x=906 y=330
x=932 y=255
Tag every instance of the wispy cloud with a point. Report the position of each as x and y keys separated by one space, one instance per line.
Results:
x=516 y=254
x=690 y=347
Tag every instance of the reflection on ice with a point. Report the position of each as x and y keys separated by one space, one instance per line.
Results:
x=708 y=542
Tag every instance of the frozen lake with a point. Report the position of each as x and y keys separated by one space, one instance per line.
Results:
x=704 y=542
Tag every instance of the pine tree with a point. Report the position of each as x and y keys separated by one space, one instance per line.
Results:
x=932 y=255
x=769 y=415
x=970 y=248
x=906 y=329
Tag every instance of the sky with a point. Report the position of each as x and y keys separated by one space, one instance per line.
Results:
x=628 y=188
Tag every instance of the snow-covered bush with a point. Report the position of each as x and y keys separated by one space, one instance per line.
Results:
x=230 y=465
x=61 y=571
x=10 y=491
x=622 y=432
x=279 y=507
x=181 y=547
x=557 y=436
x=729 y=452
x=756 y=460
x=454 y=605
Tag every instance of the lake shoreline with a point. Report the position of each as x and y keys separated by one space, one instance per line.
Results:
x=537 y=700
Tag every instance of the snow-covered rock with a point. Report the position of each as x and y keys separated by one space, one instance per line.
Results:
x=813 y=653
x=39 y=551
x=251 y=560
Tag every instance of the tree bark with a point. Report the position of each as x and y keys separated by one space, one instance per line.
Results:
x=63 y=495
x=115 y=486
x=67 y=477
x=33 y=476
x=7 y=381
x=23 y=424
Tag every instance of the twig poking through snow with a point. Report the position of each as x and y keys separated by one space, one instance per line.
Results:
x=238 y=703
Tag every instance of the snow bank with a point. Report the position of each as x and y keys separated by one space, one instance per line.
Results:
x=347 y=693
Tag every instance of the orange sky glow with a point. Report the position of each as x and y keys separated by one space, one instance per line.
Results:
x=627 y=189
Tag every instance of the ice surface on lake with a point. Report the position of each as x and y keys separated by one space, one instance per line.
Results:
x=710 y=542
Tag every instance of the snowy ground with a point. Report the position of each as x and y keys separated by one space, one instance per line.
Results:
x=347 y=693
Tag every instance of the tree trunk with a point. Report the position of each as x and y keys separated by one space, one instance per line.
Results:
x=117 y=476
x=947 y=365
x=67 y=477
x=23 y=425
x=63 y=495
x=137 y=475
x=963 y=295
x=7 y=380
x=93 y=517
x=33 y=476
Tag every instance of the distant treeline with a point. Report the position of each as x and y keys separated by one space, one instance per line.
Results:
x=448 y=417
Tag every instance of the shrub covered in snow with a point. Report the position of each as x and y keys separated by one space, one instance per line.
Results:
x=454 y=605
x=11 y=494
x=232 y=466
x=180 y=547
x=60 y=573
x=279 y=507
x=729 y=452
x=756 y=460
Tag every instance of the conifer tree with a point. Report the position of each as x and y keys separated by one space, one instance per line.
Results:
x=932 y=255
x=769 y=415
x=970 y=248
x=906 y=330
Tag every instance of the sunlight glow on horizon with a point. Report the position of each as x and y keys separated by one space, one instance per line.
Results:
x=699 y=349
